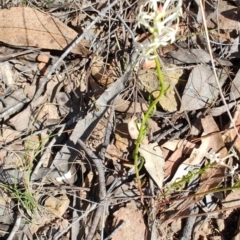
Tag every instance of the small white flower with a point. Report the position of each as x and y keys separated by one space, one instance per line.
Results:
x=215 y=157
x=158 y=18
x=234 y=168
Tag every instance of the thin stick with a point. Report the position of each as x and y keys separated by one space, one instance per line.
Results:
x=15 y=228
x=96 y=220
x=98 y=163
x=108 y=132
x=14 y=108
x=13 y=55
x=102 y=188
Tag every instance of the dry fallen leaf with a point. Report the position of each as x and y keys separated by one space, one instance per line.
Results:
x=133 y=128
x=14 y=98
x=43 y=57
x=57 y=205
x=97 y=67
x=152 y=153
x=183 y=147
x=169 y=100
x=232 y=202
x=21 y=120
x=3 y=154
x=23 y=26
x=29 y=90
x=201 y=89
x=112 y=152
x=172 y=145
x=197 y=56
x=226 y=17
x=154 y=161
x=213 y=142
x=134 y=227
x=8 y=134
x=31 y=145
x=47 y=111
x=130 y=107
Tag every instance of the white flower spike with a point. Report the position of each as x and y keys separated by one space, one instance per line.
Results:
x=158 y=17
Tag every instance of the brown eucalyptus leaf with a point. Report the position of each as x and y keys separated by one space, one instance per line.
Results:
x=201 y=89
x=113 y=152
x=23 y=26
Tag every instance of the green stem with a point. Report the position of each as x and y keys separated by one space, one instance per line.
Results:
x=147 y=115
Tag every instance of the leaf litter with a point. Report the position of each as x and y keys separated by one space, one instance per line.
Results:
x=54 y=188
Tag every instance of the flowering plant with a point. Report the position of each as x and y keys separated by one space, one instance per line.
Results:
x=158 y=18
